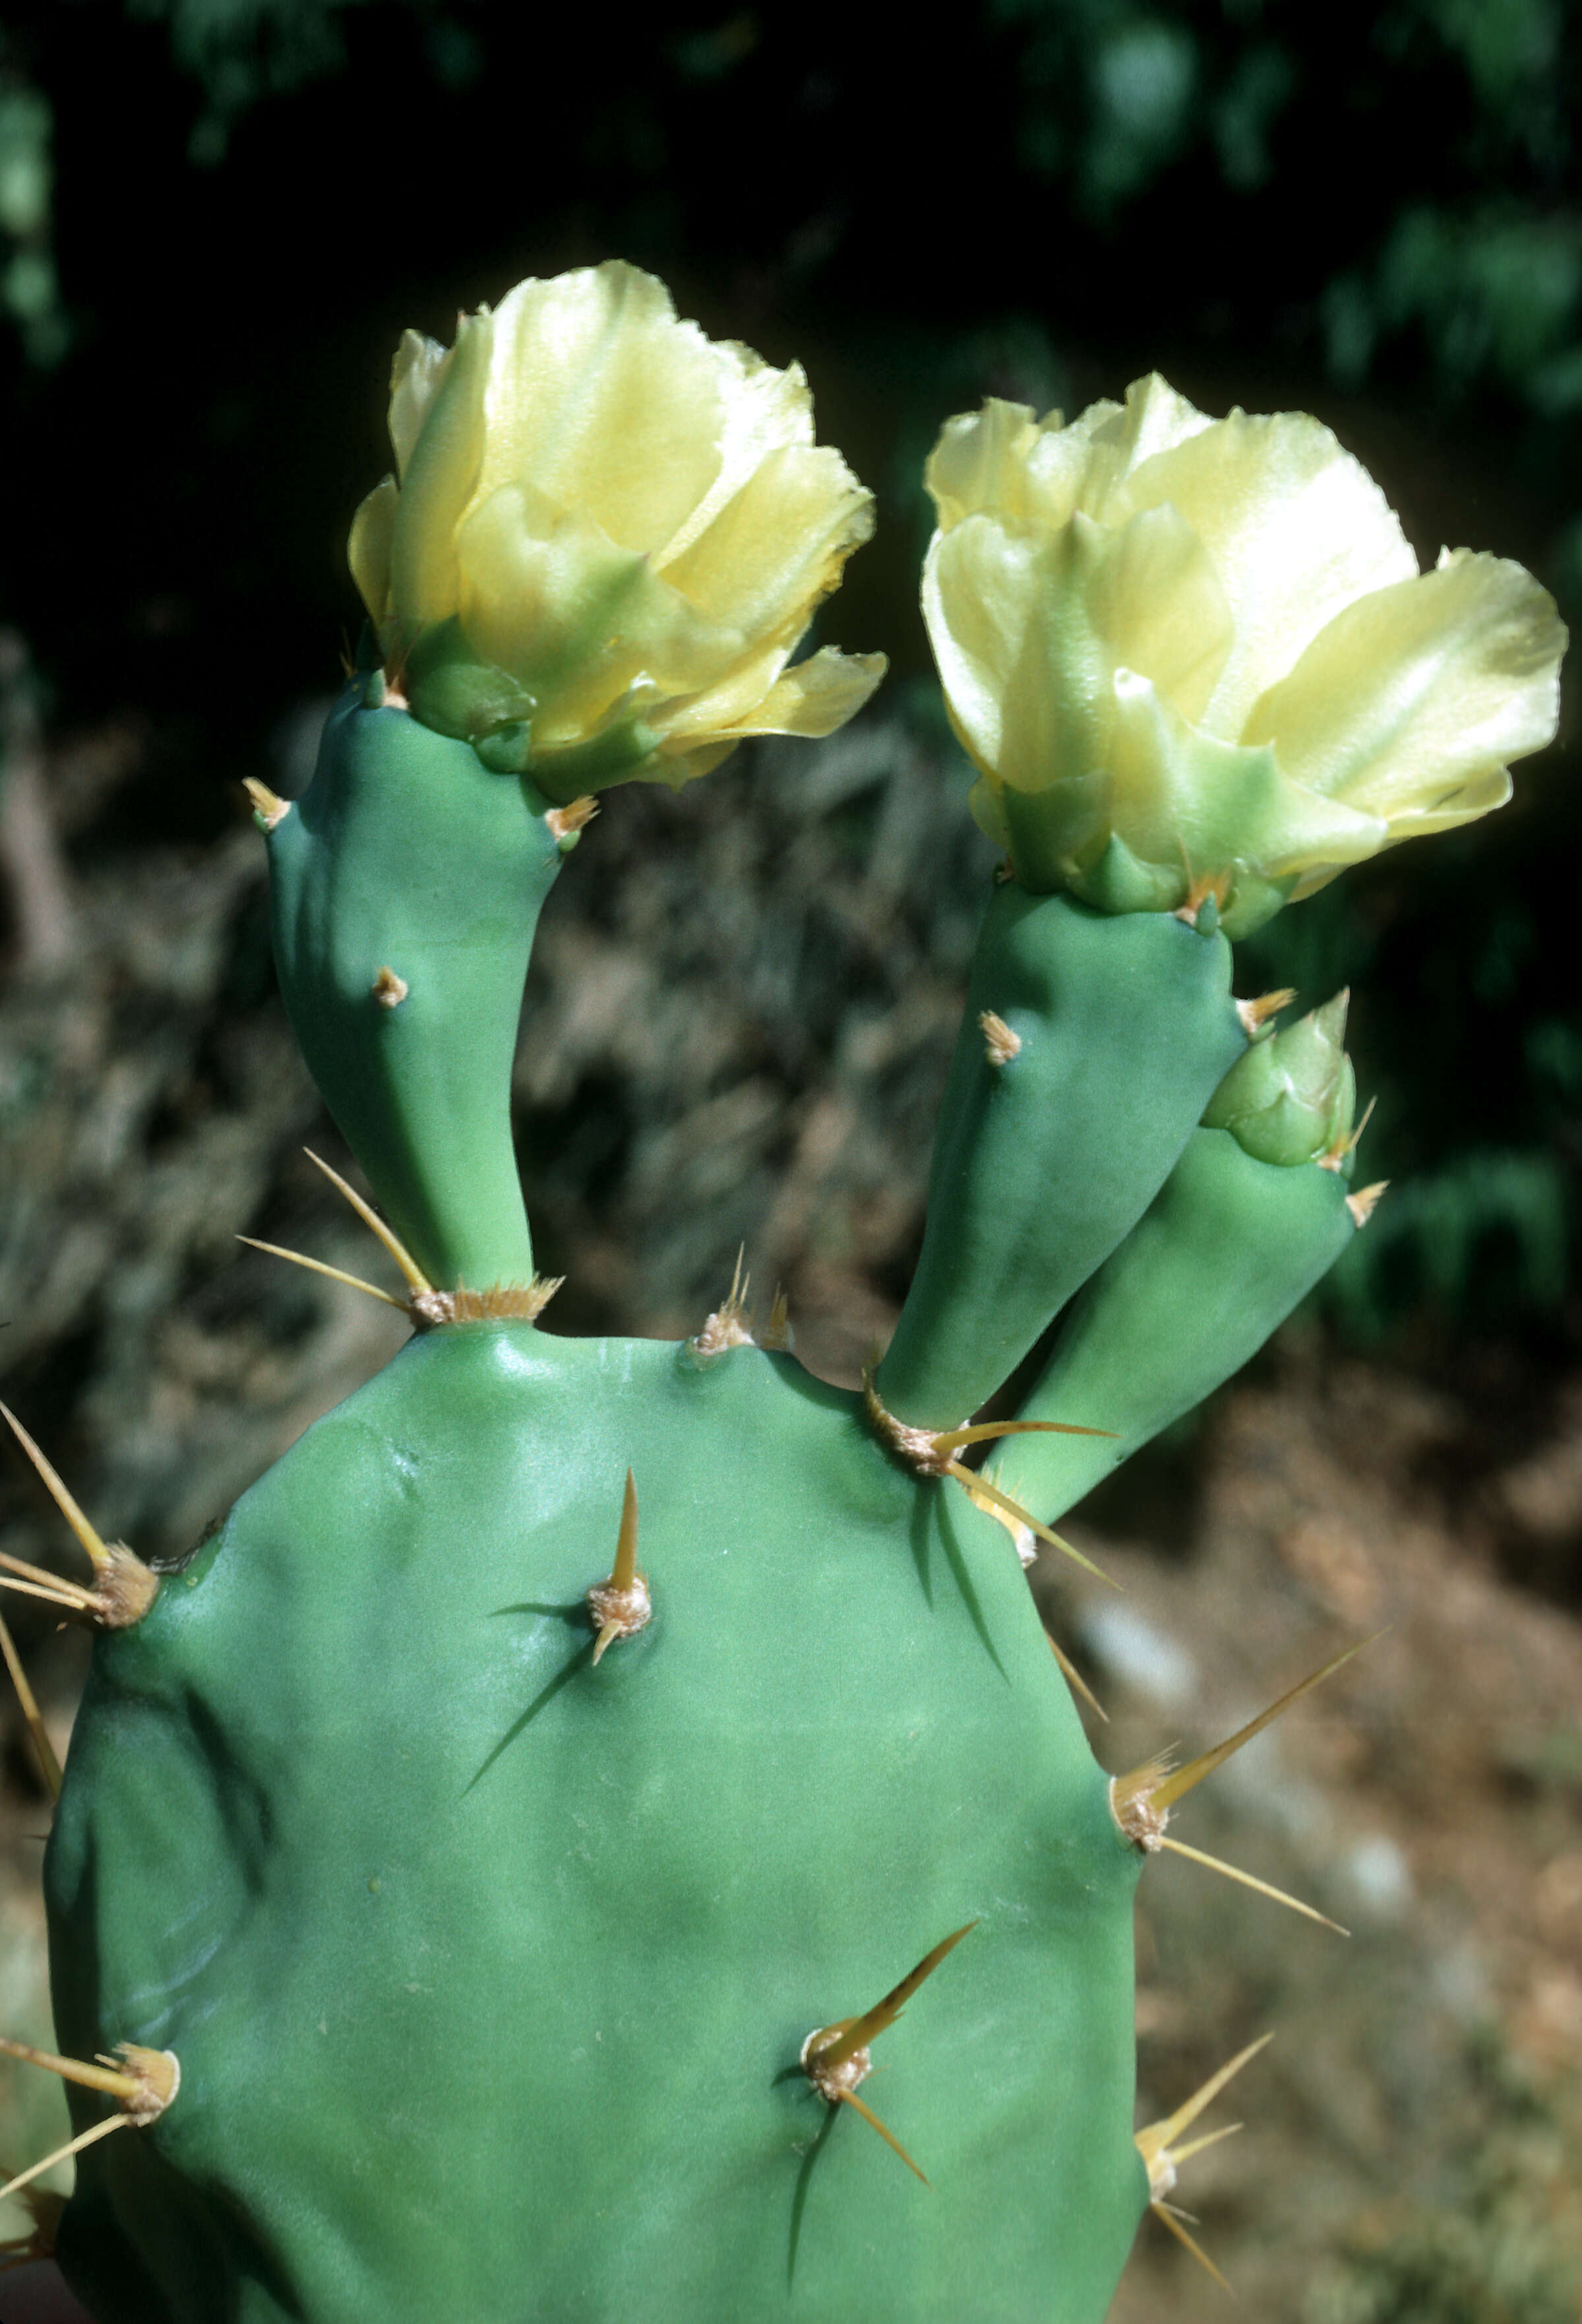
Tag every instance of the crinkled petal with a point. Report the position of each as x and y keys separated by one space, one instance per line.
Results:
x=414 y=381
x=604 y=401
x=762 y=410
x=1295 y=528
x=778 y=544
x=578 y=622
x=1109 y=442
x=1411 y=702
x=980 y=462
x=1183 y=797
x=371 y=550
x=814 y=699
x=1027 y=679
x=1156 y=600
x=441 y=473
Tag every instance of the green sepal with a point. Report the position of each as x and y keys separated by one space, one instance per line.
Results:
x=1225 y=1250
x=454 y=693
x=406 y=854
x=1042 y=1163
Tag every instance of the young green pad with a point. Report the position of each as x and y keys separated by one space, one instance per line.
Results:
x=1046 y=1154
x=407 y=865
x=465 y=1942
x=1227 y=1248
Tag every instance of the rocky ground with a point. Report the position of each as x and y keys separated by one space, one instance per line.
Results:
x=735 y=1034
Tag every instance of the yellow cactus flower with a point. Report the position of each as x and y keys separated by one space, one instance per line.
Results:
x=1186 y=653
x=605 y=539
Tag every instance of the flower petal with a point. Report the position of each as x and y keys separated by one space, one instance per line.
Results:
x=1156 y=600
x=371 y=549
x=1409 y=703
x=575 y=619
x=1183 y=797
x=817 y=695
x=980 y=462
x=414 y=381
x=1027 y=679
x=779 y=543
x=604 y=401
x=1295 y=527
x=442 y=471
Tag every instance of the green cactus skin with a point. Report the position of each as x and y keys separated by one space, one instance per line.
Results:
x=1227 y=1248
x=488 y=1967
x=1126 y=1027
x=406 y=853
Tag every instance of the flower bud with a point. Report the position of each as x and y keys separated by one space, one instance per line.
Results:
x=1291 y=1098
x=1187 y=654
x=606 y=537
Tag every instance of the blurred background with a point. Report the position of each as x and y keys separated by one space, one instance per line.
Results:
x=216 y=216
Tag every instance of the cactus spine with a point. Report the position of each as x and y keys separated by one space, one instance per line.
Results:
x=496 y=1854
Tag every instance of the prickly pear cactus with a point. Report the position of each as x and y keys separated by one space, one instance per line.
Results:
x=490 y=1869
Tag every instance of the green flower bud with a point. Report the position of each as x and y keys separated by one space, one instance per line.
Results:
x=1291 y=1098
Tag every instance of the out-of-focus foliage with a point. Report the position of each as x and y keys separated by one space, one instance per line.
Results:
x=214 y=214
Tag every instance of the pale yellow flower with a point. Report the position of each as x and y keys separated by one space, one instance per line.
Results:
x=606 y=537
x=1180 y=649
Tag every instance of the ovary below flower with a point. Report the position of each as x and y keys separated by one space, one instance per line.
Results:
x=606 y=537
x=1186 y=653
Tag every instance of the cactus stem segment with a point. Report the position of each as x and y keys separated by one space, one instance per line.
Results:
x=1365 y=1202
x=268 y=808
x=1000 y=1042
x=416 y=1279
x=389 y=990
x=1255 y=1014
x=48 y=1766
x=836 y=2058
x=123 y=1587
x=622 y=1604
x=1163 y=2156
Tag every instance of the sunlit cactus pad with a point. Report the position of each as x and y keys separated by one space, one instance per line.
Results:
x=554 y=1934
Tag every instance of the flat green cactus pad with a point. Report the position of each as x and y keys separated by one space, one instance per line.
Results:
x=553 y=1933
